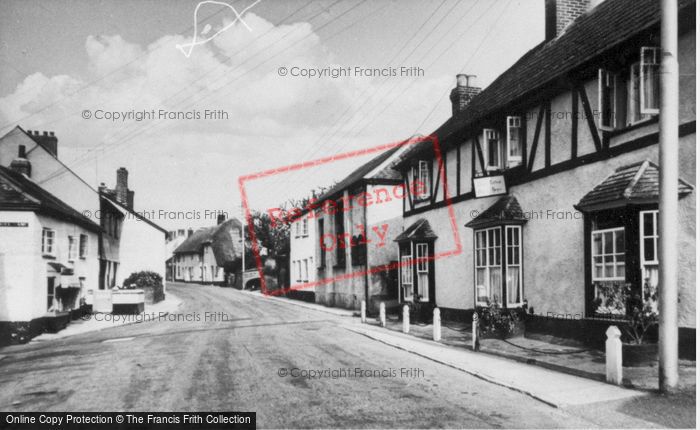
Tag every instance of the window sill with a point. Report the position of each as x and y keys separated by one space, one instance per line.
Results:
x=633 y=126
x=49 y=256
x=421 y=200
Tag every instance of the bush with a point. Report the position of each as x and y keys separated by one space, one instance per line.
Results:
x=150 y=282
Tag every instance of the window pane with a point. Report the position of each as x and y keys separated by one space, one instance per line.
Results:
x=649 y=254
x=620 y=270
x=608 y=242
x=648 y=220
x=597 y=244
x=495 y=281
x=620 y=241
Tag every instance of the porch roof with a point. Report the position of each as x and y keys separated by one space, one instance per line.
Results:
x=419 y=230
x=506 y=210
x=636 y=183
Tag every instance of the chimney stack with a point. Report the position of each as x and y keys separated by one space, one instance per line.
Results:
x=220 y=218
x=47 y=139
x=189 y=232
x=21 y=164
x=122 y=189
x=558 y=14
x=462 y=94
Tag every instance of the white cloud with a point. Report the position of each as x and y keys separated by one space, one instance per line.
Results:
x=272 y=121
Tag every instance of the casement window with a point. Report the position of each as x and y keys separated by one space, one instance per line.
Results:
x=487 y=255
x=305 y=227
x=422 y=271
x=650 y=79
x=407 y=276
x=48 y=246
x=297 y=232
x=608 y=253
x=421 y=177
x=514 y=141
x=72 y=248
x=648 y=252
x=492 y=149
x=632 y=94
x=607 y=99
x=306 y=270
x=83 y=246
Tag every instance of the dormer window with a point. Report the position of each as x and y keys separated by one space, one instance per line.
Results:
x=514 y=141
x=492 y=149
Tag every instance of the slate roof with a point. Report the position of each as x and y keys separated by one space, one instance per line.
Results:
x=125 y=208
x=419 y=230
x=600 y=30
x=17 y=192
x=506 y=210
x=633 y=184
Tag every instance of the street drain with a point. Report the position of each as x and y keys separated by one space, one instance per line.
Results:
x=120 y=339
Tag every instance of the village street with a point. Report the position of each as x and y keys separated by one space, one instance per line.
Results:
x=240 y=365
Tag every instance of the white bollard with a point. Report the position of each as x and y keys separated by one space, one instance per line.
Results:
x=475 y=332
x=437 y=327
x=363 y=312
x=406 y=320
x=613 y=356
x=382 y=314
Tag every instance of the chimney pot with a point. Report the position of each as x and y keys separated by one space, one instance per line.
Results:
x=20 y=164
x=462 y=93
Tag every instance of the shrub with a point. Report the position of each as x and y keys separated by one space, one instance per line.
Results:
x=150 y=282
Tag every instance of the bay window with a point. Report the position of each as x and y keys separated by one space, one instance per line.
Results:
x=495 y=257
x=648 y=253
x=407 y=276
x=416 y=272
x=422 y=271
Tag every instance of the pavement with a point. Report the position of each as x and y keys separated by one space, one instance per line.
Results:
x=297 y=367
x=99 y=321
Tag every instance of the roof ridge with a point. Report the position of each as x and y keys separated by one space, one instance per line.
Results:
x=627 y=193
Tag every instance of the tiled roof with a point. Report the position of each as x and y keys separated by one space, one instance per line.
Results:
x=634 y=184
x=362 y=171
x=506 y=210
x=18 y=192
x=141 y=218
x=419 y=230
x=600 y=30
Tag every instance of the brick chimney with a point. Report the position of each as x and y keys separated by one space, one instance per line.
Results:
x=21 y=164
x=462 y=94
x=122 y=189
x=558 y=14
x=46 y=139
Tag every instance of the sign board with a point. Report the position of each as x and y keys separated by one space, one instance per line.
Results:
x=490 y=186
x=14 y=224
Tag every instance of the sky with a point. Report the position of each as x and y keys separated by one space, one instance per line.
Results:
x=66 y=65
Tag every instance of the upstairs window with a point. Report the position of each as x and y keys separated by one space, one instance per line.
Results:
x=83 y=246
x=514 y=141
x=630 y=94
x=421 y=177
x=607 y=99
x=492 y=150
x=47 y=242
x=305 y=227
x=72 y=248
x=650 y=72
x=339 y=221
x=297 y=229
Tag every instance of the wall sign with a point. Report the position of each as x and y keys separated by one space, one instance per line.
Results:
x=14 y=224
x=490 y=186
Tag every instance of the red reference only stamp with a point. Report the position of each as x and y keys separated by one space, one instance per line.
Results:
x=338 y=236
